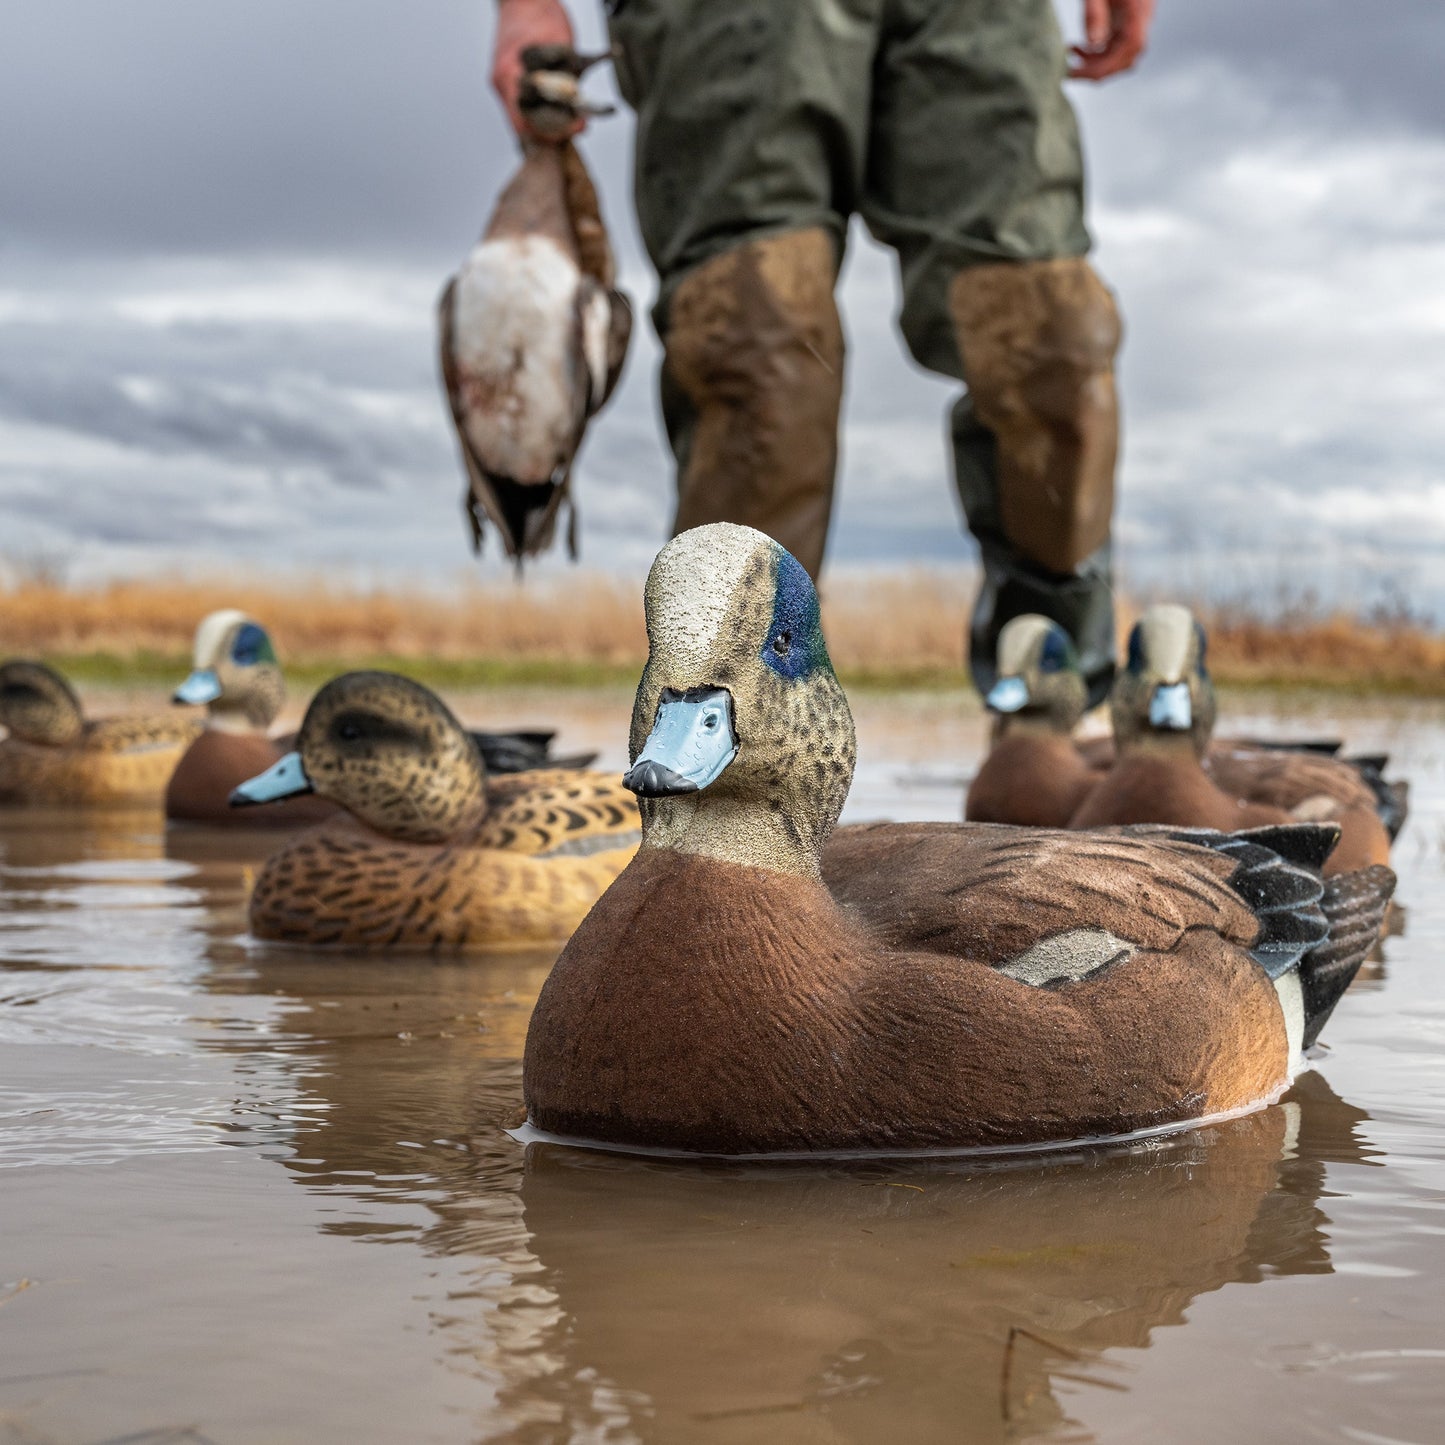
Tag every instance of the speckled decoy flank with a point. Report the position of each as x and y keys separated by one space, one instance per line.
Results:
x=1162 y=706
x=533 y=331
x=53 y=754
x=742 y=988
x=434 y=855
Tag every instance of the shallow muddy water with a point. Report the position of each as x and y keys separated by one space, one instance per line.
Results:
x=252 y=1195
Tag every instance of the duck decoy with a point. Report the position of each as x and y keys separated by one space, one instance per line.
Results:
x=237 y=678
x=744 y=989
x=1162 y=706
x=1034 y=774
x=54 y=754
x=533 y=330
x=430 y=854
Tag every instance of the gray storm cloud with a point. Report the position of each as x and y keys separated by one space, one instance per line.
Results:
x=225 y=228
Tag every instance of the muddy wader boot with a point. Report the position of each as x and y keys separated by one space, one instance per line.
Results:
x=751 y=385
x=1035 y=444
x=761 y=128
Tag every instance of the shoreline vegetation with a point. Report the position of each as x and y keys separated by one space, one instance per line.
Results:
x=898 y=629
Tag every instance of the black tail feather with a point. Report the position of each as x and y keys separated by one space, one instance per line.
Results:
x=1355 y=905
x=1278 y=874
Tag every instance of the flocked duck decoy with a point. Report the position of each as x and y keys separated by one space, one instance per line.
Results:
x=740 y=990
x=53 y=754
x=433 y=855
x=533 y=330
x=1162 y=707
x=1034 y=774
x=238 y=680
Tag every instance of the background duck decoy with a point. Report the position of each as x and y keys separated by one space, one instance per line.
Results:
x=1034 y=774
x=434 y=855
x=238 y=679
x=53 y=754
x=533 y=330
x=1163 y=707
x=959 y=985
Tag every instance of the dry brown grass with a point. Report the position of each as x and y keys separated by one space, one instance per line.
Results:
x=886 y=626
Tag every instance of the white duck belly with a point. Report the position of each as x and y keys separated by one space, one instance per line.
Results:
x=524 y=392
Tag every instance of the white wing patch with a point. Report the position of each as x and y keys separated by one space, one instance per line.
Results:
x=1068 y=957
x=514 y=342
x=596 y=321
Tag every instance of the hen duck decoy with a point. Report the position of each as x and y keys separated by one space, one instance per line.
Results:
x=1162 y=706
x=741 y=989
x=533 y=330
x=1034 y=774
x=431 y=853
x=54 y=754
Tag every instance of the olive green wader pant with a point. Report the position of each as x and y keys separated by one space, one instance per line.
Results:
x=762 y=126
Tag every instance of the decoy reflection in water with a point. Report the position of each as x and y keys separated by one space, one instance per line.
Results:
x=54 y=754
x=432 y=854
x=877 y=1299
x=960 y=985
x=1163 y=707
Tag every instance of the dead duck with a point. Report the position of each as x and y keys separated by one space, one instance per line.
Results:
x=237 y=678
x=430 y=854
x=1034 y=774
x=533 y=330
x=735 y=992
x=54 y=754
x=1163 y=707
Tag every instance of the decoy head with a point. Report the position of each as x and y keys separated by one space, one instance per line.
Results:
x=38 y=705
x=389 y=751
x=742 y=743
x=1039 y=679
x=1163 y=692
x=234 y=672
x=549 y=95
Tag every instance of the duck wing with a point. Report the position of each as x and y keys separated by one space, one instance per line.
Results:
x=520 y=752
x=559 y=812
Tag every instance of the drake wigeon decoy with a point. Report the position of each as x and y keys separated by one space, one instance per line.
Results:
x=54 y=754
x=1162 y=707
x=533 y=330
x=741 y=989
x=430 y=853
x=236 y=677
x=1034 y=774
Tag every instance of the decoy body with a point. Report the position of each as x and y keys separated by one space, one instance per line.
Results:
x=1034 y=774
x=533 y=331
x=1162 y=706
x=431 y=853
x=53 y=754
x=238 y=679
x=742 y=988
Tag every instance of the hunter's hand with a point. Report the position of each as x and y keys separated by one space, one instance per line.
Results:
x=1115 y=32
x=521 y=23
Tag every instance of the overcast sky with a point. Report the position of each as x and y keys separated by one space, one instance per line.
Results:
x=224 y=228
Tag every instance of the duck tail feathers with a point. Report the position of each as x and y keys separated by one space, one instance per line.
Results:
x=1277 y=872
x=1355 y=905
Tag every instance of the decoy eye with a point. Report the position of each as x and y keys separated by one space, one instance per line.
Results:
x=349 y=732
x=782 y=642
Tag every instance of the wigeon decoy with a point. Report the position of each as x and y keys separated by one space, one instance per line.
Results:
x=745 y=987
